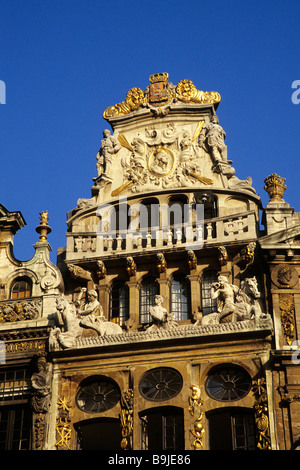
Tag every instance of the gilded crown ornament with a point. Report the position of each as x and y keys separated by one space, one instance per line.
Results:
x=275 y=187
x=159 y=77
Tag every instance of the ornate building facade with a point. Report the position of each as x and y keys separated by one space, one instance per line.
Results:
x=171 y=320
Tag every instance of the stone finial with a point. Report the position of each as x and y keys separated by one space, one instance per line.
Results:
x=275 y=187
x=43 y=229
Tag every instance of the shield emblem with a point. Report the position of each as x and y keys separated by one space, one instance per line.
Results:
x=158 y=92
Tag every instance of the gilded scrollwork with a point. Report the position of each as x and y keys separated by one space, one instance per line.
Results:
x=134 y=100
x=197 y=429
x=261 y=414
x=188 y=93
x=126 y=418
x=287 y=308
x=159 y=95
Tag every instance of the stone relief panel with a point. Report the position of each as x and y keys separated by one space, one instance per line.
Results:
x=166 y=155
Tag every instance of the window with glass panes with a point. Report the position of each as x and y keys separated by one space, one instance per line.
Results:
x=180 y=298
x=21 y=288
x=119 y=302
x=162 y=429
x=149 y=289
x=209 y=305
x=15 y=414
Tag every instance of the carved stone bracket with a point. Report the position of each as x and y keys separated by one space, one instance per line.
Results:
x=288 y=396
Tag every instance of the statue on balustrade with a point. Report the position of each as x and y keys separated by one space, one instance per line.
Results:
x=80 y=321
x=160 y=316
x=234 y=303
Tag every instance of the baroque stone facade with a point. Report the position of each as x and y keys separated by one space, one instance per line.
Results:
x=171 y=319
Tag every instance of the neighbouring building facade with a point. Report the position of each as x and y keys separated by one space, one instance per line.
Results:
x=171 y=320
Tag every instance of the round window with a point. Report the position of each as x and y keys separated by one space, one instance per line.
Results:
x=160 y=384
x=97 y=395
x=228 y=383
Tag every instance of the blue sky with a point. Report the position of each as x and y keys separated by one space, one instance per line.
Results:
x=64 y=61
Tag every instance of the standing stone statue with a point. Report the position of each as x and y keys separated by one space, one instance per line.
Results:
x=40 y=382
x=109 y=147
x=214 y=136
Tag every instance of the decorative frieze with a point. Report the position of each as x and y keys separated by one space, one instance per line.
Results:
x=180 y=332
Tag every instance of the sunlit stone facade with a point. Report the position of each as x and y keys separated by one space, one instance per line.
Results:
x=171 y=319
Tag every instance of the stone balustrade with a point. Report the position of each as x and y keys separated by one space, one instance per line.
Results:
x=223 y=229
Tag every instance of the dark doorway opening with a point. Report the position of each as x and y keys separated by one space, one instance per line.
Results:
x=99 y=434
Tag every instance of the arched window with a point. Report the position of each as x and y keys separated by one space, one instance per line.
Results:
x=209 y=305
x=149 y=289
x=180 y=298
x=119 y=302
x=21 y=288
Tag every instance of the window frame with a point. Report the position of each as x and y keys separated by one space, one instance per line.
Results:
x=122 y=298
x=27 y=291
x=149 y=288
x=208 y=304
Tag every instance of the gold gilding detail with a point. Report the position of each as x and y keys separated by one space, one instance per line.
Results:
x=161 y=161
x=287 y=308
x=188 y=93
x=197 y=430
x=200 y=178
x=43 y=229
x=275 y=187
x=161 y=92
x=134 y=101
x=118 y=191
x=159 y=77
x=198 y=130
